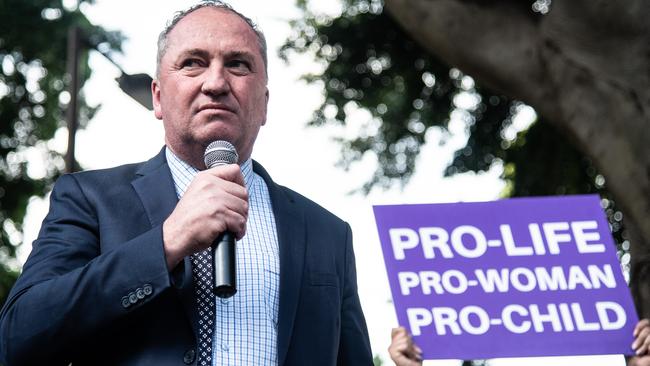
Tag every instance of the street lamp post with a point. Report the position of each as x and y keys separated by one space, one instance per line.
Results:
x=137 y=86
x=72 y=114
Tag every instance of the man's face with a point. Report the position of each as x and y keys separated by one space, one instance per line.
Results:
x=211 y=85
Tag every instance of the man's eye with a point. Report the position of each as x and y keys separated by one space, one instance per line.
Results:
x=239 y=65
x=191 y=62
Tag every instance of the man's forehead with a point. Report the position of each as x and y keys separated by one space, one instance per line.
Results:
x=213 y=24
x=208 y=20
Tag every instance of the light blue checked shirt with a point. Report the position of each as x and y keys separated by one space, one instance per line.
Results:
x=246 y=324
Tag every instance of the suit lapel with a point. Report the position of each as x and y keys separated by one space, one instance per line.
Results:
x=290 y=223
x=155 y=187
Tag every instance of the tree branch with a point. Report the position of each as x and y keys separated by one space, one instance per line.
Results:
x=496 y=41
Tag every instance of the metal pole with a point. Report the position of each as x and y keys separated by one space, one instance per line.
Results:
x=72 y=114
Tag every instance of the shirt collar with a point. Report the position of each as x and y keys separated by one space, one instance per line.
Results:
x=179 y=167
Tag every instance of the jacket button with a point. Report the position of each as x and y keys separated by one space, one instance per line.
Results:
x=189 y=356
x=133 y=298
x=148 y=290
x=139 y=293
x=125 y=302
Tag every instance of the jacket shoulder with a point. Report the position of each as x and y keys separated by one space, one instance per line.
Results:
x=115 y=176
x=125 y=172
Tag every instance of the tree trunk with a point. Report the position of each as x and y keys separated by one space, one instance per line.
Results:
x=584 y=66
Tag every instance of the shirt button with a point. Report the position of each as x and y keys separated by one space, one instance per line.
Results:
x=224 y=301
x=224 y=347
x=189 y=356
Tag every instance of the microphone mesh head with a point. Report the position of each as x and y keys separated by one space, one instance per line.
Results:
x=220 y=153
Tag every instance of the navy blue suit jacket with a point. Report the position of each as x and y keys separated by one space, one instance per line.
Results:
x=101 y=245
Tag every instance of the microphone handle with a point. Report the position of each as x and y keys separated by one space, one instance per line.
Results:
x=223 y=265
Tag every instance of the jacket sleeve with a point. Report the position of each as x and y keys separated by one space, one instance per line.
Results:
x=70 y=288
x=354 y=347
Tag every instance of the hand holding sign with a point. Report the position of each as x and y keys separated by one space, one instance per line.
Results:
x=402 y=350
x=641 y=343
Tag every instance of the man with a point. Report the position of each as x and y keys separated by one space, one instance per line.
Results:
x=119 y=273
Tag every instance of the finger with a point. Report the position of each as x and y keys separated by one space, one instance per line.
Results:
x=397 y=346
x=236 y=224
x=412 y=354
x=401 y=344
x=401 y=359
x=234 y=216
x=641 y=338
x=643 y=323
x=643 y=349
x=398 y=332
x=213 y=185
x=405 y=347
x=236 y=190
x=225 y=200
x=206 y=186
x=229 y=172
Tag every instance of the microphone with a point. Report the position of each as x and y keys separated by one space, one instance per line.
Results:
x=224 y=262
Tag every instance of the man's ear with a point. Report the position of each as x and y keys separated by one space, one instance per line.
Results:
x=155 y=98
x=266 y=105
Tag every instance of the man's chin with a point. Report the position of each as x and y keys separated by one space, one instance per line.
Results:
x=217 y=129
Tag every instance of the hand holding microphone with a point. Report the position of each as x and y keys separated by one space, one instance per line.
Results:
x=215 y=203
x=224 y=261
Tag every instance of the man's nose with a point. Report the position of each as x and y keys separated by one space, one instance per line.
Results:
x=215 y=81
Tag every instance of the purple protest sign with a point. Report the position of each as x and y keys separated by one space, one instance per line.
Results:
x=512 y=278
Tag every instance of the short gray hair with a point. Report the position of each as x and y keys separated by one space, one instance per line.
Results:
x=217 y=4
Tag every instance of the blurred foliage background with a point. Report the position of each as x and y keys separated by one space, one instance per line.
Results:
x=372 y=64
x=33 y=101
